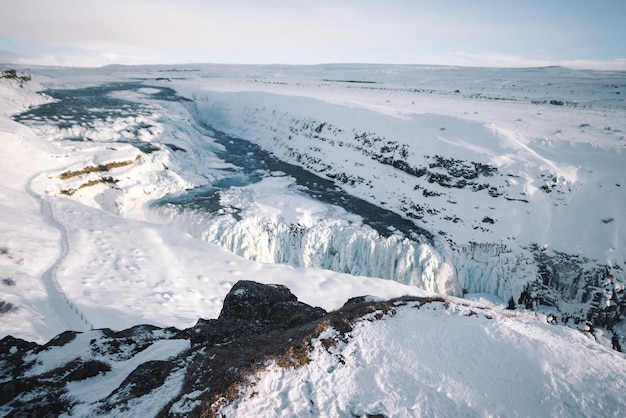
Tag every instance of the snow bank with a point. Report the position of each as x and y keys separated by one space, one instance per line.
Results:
x=28 y=244
x=441 y=360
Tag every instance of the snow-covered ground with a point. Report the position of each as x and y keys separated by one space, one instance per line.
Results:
x=499 y=171
x=449 y=361
x=519 y=174
x=551 y=163
x=73 y=261
x=142 y=194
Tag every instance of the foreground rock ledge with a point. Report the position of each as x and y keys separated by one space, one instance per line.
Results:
x=258 y=324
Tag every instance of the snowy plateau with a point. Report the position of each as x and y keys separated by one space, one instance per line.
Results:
x=332 y=240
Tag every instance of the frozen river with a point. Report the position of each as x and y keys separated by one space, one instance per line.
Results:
x=364 y=239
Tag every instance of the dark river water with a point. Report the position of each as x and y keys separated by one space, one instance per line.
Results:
x=88 y=106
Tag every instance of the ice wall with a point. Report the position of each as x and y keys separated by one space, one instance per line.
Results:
x=334 y=245
x=494 y=268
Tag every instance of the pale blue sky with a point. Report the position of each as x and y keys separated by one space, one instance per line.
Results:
x=583 y=33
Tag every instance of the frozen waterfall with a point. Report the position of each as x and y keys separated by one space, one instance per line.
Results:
x=333 y=244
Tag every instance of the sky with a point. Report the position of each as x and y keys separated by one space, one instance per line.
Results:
x=509 y=33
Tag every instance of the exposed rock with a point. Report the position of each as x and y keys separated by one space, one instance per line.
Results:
x=578 y=292
x=257 y=322
x=274 y=304
x=253 y=308
x=12 y=351
x=360 y=299
x=249 y=300
x=259 y=325
x=61 y=339
x=88 y=369
x=12 y=346
x=13 y=75
x=143 y=380
x=6 y=307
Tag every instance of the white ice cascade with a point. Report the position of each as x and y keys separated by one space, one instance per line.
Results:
x=332 y=244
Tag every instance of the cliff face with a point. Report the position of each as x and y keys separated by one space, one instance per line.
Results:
x=512 y=215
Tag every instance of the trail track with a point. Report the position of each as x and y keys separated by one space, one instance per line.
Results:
x=69 y=313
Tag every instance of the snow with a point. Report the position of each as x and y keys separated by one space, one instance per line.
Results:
x=151 y=403
x=105 y=384
x=265 y=116
x=94 y=251
x=90 y=392
x=445 y=361
x=282 y=226
x=186 y=403
x=30 y=242
x=117 y=271
x=572 y=150
x=125 y=263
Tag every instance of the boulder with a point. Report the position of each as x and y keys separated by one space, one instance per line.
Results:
x=254 y=308
x=266 y=303
x=252 y=301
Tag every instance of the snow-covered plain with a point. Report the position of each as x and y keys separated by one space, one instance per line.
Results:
x=129 y=203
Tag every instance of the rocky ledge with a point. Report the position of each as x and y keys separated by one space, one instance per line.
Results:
x=190 y=372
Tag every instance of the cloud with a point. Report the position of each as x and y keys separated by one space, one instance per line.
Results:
x=102 y=25
x=455 y=32
x=127 y=25
x=235 y=31
x=86 y=59
x=516 y=61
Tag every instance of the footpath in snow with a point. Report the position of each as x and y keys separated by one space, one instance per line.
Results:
x=74 y=319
